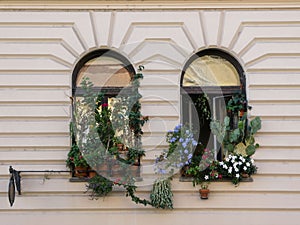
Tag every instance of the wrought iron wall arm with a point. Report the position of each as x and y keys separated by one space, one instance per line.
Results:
x=15 y=181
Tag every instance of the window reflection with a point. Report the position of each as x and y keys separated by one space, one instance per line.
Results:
x=105 y=71
x=210 y=70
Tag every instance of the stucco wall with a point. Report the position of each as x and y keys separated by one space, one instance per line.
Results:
x=38 y=51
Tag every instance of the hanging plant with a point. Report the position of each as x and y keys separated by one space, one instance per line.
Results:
x=161 y=195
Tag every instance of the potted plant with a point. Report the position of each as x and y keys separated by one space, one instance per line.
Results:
x=204 y=190
x=76 y=162
x=236 y=166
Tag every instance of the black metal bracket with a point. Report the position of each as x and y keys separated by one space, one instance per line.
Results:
x=15 y=181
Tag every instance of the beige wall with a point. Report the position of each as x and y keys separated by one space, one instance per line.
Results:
x=38 y=51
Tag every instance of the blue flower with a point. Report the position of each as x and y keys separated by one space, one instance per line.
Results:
x=194 y=143
x=178 y=126
x=181 y=140
x=173 y=139
x=161 y=171
x=184 y=144
x=186 y=151
x=190 y=156
x=186 y=163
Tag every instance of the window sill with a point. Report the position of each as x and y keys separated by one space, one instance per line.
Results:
x=190 y=179
x=85 y=179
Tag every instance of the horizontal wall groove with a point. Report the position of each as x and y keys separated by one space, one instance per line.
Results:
x=21 y=118
x=35 y=71
x=35 y=86
x=252 y=87
x=272 y=101
x=49 y=102
x=30 y=134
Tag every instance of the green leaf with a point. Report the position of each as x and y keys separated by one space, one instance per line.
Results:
x=255 y=125
x=250 y=150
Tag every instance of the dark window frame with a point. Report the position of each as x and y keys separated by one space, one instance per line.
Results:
x=109 y=91
x=212 y=89
x=226 y=91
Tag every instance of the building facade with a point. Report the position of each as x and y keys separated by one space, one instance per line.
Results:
x=41 y=44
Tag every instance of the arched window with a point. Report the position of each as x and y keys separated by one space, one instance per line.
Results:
x=210 y=78
x=108 y=70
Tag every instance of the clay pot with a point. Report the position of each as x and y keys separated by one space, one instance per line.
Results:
x=92 y=173
x=81 y=171
x=204 y=193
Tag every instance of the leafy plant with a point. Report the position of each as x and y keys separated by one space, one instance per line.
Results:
x=202 y=105
x=134 y=154
x=95 y=121
x=99 y=186
x=204 y=185
x=239 y=140
x=237 y=103
x=161 y=195
x=75 y=157
x=234 y=165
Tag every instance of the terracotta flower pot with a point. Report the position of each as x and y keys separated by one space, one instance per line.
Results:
x=92 y=173
x=204 y=193
x=81 y=171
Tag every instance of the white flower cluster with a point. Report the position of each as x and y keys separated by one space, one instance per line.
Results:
x=234 y=165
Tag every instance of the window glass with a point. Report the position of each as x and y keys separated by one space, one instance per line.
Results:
x=209 y=80
x=104 y=71
x=211 y=70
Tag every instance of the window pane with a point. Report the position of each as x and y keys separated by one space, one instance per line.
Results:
x=105 y=71
x=211 y=71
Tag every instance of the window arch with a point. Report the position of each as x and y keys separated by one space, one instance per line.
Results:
x=210 y=78
x=211 y=69
x=107 y=69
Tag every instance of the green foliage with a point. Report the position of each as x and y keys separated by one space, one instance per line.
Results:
x=99 y=186
x=220 y=129
x=206 y=170
x=161 y=195
x=134 y=154
x=104 y=126
x=75 y=157
x=239 y=140
x=237 y=103
x=130 y=192
x=92 y=115
x=202 y=104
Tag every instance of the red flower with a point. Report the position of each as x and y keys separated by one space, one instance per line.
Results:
x=117 y=180
x=104 y=105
